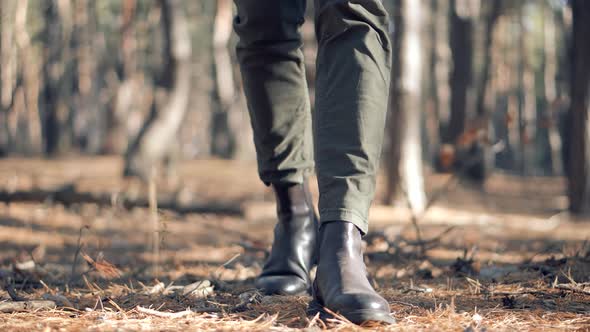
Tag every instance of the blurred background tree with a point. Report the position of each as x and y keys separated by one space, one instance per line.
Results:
x=477 y=86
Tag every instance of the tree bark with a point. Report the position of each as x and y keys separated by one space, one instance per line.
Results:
x=156 y=140
x=493 y=9
x=128 y=86
x=223 y=140
x=404 y=158
x=441 y=69
x=57 y=77
x=7 y=73
x=548 y=129
x=30 y=72
x=579 y=149
x=88 y=114
x=461 y=41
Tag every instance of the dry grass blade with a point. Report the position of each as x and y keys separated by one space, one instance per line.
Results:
x=155 y=220
x=77 y=253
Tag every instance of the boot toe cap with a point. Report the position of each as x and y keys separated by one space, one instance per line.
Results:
x=281 y=285
x=361 y=308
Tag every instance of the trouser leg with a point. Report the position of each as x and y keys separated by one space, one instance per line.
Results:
x=352 y=88
x=272 y=67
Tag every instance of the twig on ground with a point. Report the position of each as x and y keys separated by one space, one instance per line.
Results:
x=20 y=306
x=163 y=314
x=175 y=315
x=77 y=253
x=215 y=274
x=59 y=300
x=519 y=292
x=417 y=289
x=153 y=205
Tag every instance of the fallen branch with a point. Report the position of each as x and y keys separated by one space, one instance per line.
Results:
x=68 y=195
x=576 y=288
x=179 y=314
x=59 y=300
x=20 y=306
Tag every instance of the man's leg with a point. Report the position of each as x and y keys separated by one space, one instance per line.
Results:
x=353 y=74
x=271 y=62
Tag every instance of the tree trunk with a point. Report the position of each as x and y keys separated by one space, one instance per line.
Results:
x=127 y=90
x=157 y=138
x=57 y=76
x=492 y=9
x=552 y=163
x=404 y=158
x=442 y=64
x=223 y=141
x=526 y=97
x=88 y=118
x=579 y=149
x=30 y=72
x=430 y=85
x=461 y=40
x=8 y=73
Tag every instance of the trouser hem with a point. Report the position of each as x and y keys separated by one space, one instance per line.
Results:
x=285 y=178
x=347 y=215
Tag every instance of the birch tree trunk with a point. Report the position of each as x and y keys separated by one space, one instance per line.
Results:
x=7 y=71
x=223 y=141
x=404 y=158
x=31 y=80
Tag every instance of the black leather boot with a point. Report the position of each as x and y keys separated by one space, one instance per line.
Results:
x=341 y=283
x=295 y=242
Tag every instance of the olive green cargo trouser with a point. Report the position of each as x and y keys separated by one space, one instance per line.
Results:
x=352 y=87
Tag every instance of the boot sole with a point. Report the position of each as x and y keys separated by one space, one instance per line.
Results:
x=359 y=317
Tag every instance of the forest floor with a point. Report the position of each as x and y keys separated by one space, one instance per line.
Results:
x=500 y=257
